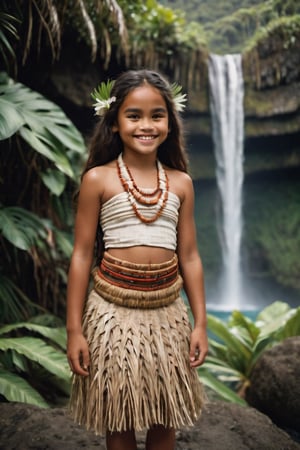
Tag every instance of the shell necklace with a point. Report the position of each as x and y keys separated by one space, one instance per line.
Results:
x=136 y=195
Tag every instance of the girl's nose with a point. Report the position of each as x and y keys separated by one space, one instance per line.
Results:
x=146 y=124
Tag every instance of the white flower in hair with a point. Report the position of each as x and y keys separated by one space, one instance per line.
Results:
x=103 y=105
x=102 y=96
x=178 y=97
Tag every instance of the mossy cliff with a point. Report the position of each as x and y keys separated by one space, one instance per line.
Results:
x=271 y=67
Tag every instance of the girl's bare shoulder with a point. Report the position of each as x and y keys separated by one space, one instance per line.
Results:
x=180 y=182
x=98 y=177
x=98 y=174
x=103 y=180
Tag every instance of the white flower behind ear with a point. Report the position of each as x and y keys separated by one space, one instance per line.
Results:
x=102 y=96
x=101 y=106
x=179 y=99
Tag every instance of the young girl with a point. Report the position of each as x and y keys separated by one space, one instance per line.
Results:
x=130 y=345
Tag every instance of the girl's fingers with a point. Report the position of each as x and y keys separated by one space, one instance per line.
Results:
x=79 y=366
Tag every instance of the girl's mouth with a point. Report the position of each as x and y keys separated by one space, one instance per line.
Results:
x=145 y=138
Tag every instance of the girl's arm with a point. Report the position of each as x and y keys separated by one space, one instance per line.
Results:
x=192 y=273
x=79 y=272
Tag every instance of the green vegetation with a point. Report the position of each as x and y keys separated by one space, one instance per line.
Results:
x=43 y=155
x=209 y=11
x=161 y=38
x=140 y=33
x=284 y=29
x=229 y=26
x=237 y=344
x=272 y=229
x=33 y=365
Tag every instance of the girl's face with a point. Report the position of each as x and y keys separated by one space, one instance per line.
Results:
x=142 y=120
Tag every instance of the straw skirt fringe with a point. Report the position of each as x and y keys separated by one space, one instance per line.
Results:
x=140 y=373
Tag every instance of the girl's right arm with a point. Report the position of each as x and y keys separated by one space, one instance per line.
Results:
x=79 y=272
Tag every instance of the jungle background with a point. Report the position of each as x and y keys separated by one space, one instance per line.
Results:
x=53 y=54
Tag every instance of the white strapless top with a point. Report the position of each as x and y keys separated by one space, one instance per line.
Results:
x=122 y=228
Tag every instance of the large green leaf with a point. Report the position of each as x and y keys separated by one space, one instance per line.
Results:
x=64 y=242
x=246 y=328
x=277 y=325
x=57 y=335
x=273 y=311
x=220 y=388
x=221 y=367
x=41 y=123
x=37 y=350
x=54 y=180
x=16 y=389
x=21 y=227
x=222 y=331
x=10 y=120
x=43 y=145
x=243 y=342
x=217 y=349
x=291 y=327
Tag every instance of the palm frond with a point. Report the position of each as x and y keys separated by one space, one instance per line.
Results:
x=37 y=350
x=56 y=335
x=21 y=227
x=8 y=31
x=16 y=389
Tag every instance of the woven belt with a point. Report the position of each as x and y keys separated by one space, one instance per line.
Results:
x=140 y=279
x=137 y=285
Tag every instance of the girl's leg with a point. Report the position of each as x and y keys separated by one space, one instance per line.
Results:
x=160 y=438
x=121 y=441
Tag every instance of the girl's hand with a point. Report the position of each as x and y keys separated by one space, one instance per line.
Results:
x=198 y=346
x=78 y=353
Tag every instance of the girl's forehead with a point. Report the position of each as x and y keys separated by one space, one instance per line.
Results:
x=145 y=93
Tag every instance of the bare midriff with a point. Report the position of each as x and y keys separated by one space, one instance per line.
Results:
x=142 y=254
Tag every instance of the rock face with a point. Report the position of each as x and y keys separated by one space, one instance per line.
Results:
x=275 y=384
x=272 y=84
x=223 y=426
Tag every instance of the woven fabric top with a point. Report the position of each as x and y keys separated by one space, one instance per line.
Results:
x=121 y=228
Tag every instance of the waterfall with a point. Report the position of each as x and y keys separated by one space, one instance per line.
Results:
x=226 y=105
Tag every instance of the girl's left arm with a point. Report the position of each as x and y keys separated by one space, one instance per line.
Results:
x=192 y=273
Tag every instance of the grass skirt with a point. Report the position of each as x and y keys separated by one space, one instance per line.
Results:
x=139 y=374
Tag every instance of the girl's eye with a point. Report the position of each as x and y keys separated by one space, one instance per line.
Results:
x=133 y=116
x=158 y=116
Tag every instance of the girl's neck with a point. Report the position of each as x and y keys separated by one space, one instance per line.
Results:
x=139 y=161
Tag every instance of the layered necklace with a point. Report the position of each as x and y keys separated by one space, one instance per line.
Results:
x=136 y=195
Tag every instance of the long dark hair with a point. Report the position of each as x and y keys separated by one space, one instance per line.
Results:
x=105 y=145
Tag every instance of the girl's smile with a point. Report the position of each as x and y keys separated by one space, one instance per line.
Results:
x=142 y=120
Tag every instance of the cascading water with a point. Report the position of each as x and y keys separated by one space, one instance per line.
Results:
x=226 y=104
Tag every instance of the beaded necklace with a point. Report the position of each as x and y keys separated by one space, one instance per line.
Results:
x=158 y=196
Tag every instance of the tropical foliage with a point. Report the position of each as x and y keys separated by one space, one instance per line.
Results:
x=161 y=38
x=42 y=153
x=236 y=345
x=41 y=157
x=229 y=26
x=140 y=33
x=33 y=366
x=41 y=150
x=41 y=25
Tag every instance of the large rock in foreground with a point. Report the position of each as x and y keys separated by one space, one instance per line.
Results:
x=275 y=383
x=223 y=426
